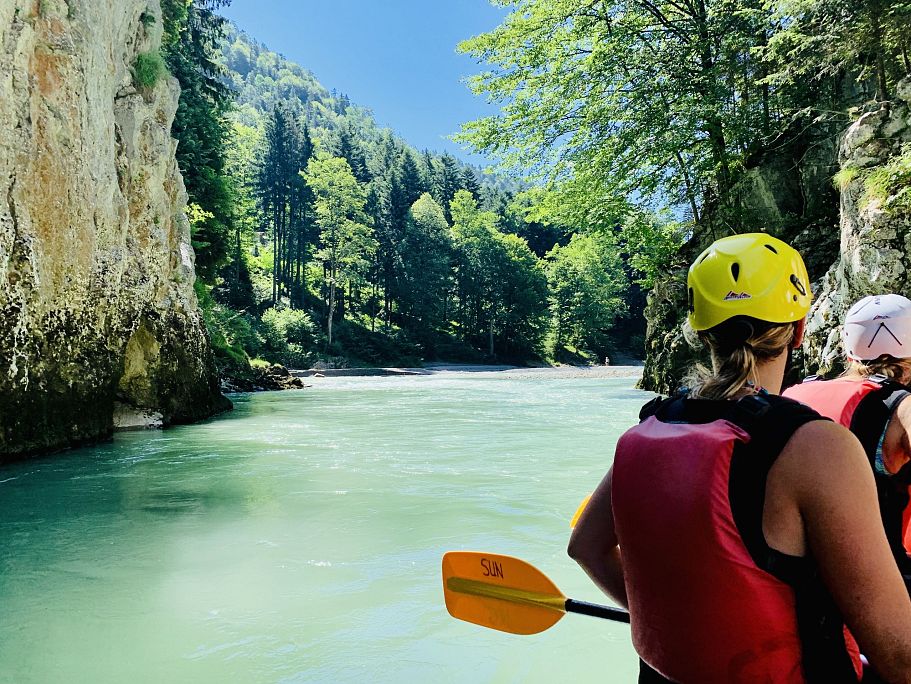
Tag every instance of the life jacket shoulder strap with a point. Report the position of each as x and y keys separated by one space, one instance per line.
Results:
x=751 y=462
x=771 y=421
x=872 y=415
x=651 y=408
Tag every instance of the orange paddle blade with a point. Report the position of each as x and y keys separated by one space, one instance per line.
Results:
x=579 y=510
x=500 y=592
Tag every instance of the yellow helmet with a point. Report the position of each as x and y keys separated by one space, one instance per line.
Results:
x=753 y=275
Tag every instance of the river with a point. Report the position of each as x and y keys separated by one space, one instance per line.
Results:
x=298 y=539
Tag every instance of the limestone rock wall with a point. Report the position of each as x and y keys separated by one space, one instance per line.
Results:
x=97 y=309
x=875 y=253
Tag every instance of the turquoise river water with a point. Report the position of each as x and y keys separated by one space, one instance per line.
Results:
x=298 y=539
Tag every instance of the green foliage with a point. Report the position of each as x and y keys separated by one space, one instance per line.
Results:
x=285 y=201
x=519 y=311
x=890 y=184
x=424 y=254
x=652 y=243
x=625 y=97
x=845 y=176
x=148 y=69
x=289 y=326
x=233 y=335
x=820 y=40
x=289 y=337
x=501 y=285
x=363 y=347
x=587 y=284
x=533 y=215
x=356 y=239
x=192 y=31
x=346 y=243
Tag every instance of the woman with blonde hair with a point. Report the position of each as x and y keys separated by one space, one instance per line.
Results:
x=869 y=399
x=739 y=527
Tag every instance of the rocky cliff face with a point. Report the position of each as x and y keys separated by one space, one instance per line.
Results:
x=787 y=193
x=875 y=254
x=97 y=310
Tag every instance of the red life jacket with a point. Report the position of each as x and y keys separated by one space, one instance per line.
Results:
x=835 y=399
x=709 y=600
x=865 y=407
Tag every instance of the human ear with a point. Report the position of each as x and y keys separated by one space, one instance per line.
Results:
x=800 y=328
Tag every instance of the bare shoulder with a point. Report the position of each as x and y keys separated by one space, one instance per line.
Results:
x=822 y=450
x=903 y=413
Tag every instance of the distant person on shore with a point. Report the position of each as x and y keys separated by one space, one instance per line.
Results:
x=741 y=528
x=869 y=398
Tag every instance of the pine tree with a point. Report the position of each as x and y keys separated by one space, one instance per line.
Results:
x=278 y=186
x=449 y=182
x=192 y=33
x=425 y=257
x=301 y=215
x=350 y=149
x=470 y=183
x=379 y=216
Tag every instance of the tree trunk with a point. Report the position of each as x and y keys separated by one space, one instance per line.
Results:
x=882 y=87
x=331 y=310
x=275 y=240
x=492 y=319
x=373 y=307
x=713 y=126
x=690 y=191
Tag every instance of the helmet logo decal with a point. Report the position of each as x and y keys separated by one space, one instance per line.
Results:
x=737 y=295
x=886 y=327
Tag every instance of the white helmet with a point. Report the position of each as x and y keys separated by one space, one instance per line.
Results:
x=878 y=325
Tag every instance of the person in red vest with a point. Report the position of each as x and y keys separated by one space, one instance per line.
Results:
x=738 y=527
x=869 y=399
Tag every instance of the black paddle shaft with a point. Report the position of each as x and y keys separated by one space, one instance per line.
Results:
x=593 y=609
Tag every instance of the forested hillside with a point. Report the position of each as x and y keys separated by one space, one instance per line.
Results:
x=322 y=237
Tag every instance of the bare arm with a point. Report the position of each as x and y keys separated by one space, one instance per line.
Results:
x=835 y=496
x=897 y=445
x=594 y=545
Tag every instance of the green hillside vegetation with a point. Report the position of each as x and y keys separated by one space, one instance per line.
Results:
x=322 y=237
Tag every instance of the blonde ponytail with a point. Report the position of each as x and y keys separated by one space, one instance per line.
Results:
x=898 y=370
x=737 y=347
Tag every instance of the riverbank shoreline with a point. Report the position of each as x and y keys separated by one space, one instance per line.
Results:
x=505 y=371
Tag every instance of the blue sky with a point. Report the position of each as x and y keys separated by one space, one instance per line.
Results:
x=397 y=57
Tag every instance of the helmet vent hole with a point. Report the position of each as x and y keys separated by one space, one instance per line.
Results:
x=771 y=249
x=735 y=271
x=692 y=302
